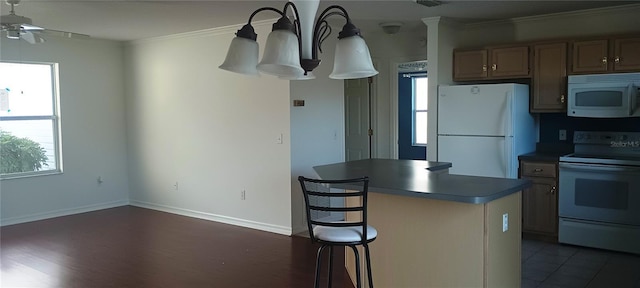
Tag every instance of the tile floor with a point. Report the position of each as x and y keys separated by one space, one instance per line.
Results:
x=548 y=265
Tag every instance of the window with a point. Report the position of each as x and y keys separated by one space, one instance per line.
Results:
x=420 y=108
x=29 y=122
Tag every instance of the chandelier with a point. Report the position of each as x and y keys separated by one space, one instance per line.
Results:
x=291 y=50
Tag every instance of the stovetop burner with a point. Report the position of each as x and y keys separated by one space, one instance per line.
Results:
x=609 y=148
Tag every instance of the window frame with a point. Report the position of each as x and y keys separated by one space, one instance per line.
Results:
x=55 y=123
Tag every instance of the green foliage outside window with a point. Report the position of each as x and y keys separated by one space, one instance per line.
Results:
x=20 y=154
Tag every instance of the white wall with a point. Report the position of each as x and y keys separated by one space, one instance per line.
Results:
x=317 y=129
x=93 y=132
x=213 y=132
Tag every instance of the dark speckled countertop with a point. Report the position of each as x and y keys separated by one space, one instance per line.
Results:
x=548 y=152
x=413 y=178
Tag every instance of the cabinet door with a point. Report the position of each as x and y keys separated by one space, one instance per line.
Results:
x=549 y=78
x=626 y=55
x=590 y=56
x=540 y=207
x=469 y=65
x=509 y=62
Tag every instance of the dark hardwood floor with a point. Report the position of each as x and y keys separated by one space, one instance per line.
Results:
x=135 y=247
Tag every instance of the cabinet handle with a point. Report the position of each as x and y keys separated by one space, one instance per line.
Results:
x=562 y=98
x=484 y=68
x=604 y=60
x=553 y=190
x=537 y=170
x=494 y=67
x=617 y=59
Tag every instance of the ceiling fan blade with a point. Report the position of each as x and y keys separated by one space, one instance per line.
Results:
x=29 y=27
x=32 y=38
x=65 y=34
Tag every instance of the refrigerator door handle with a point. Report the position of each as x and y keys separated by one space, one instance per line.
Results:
x=508 y=141
x=508 y=123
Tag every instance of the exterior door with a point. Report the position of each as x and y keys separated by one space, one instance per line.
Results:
x=406 y=147
x=358 y=119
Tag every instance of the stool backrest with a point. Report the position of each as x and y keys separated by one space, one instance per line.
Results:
x=316 y=211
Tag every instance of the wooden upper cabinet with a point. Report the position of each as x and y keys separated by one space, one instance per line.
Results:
x=626 y=54
x=491 y=63
x=512 y=62
x=610 y=55
x=590 y=56
x=549 y=78
x=469 y=64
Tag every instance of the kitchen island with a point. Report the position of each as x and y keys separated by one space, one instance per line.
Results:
x=436 y=229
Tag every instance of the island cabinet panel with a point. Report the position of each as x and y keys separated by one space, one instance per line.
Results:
x=540 y=201
x=626 y=54
x=549 y=78
x=470 y=65
x=433 y=243
x=511 y=62
x=590 y=56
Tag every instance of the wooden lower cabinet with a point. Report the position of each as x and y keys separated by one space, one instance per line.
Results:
x=540 y=201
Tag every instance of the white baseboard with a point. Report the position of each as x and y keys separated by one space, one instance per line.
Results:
x=216 y=218
x=62 y=212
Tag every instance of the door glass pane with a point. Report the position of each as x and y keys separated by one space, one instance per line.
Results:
x=421 y=128
x=422 y=93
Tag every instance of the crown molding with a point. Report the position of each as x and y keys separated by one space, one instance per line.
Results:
x=231 y=29
x=552 y=16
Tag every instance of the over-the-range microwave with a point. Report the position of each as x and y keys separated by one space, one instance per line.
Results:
x=604 y=95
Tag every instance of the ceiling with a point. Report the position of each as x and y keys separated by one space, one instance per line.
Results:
x=138 y=19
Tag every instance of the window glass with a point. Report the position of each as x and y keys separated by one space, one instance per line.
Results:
x=28 y=119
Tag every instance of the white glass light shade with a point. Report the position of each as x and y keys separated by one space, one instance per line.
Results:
x=281 y=55
x=242 y=56
x=352 y=59
x=307 y=10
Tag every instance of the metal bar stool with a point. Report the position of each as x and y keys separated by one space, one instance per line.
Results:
x=327 y=224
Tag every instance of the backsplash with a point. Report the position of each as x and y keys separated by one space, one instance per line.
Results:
x=551 y=123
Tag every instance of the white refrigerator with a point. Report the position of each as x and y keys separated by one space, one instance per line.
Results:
x=482 y=129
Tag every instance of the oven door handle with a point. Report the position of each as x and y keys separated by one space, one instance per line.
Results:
x=592 y=167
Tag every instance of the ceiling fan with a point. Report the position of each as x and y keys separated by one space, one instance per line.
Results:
x=20 y=27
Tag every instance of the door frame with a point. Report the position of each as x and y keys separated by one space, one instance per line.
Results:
x=393 y=92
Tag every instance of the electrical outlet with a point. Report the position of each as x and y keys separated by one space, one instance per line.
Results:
x=243 y=195
x=279 y=139
x=505 y=222
x=175 y=186
x=562 y=135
